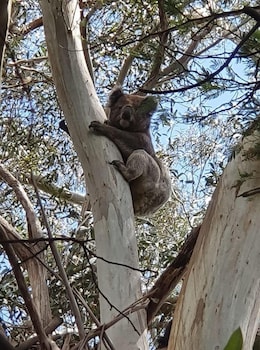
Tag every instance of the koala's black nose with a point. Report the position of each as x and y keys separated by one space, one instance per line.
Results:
x=127 y=113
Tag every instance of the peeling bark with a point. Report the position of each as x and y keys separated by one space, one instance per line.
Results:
x=221 y=291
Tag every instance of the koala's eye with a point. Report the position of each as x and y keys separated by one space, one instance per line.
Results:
x=119 y=107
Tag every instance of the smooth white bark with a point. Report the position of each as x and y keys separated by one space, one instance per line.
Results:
x=221 y=291
x=109 y=194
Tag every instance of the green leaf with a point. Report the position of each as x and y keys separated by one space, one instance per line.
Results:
x=235 y=341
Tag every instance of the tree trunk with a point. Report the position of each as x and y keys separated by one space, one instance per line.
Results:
x=5 y=14
x=110 y=196
x=221 y=291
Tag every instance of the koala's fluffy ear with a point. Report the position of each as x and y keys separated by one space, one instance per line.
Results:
x=116 y=93
x=148 y=105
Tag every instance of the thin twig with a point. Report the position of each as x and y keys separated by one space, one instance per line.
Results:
x=73 y=303
x=210 y=76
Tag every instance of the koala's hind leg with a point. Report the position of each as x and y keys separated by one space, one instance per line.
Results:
x=139 y=163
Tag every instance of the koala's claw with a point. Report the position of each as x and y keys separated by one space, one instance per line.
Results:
x=116 y=163
x=95 y=125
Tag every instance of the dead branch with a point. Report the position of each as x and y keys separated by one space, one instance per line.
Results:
x=153 y=300
x=56 y=255
x=56 y=322
x=253 y=12
x=171 y=276
x=186 y=57
x=29 y=302
x=22 y=249
x=32 y=25
x=4 y=343
x=212 y=75
x=85 y=45
x=138 y=305
x=93 y=317
x=58 y=192
x=159 y=55
x=36 y=271
x=5 y=14
x=196 y=21
x=34 y=228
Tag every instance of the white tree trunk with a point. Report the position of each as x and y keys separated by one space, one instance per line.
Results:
x=221 y=291
x=109 y=194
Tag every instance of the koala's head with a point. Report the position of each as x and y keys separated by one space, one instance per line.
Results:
x=130 y=112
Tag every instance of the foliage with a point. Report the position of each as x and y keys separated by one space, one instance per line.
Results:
x=171 y=49
x=235 y=342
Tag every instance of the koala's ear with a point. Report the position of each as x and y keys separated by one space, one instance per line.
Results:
x=115 y=94
x=148 y=105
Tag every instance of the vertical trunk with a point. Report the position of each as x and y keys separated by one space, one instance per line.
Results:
x=5 y=14
x=109 y=194
x=221 y=291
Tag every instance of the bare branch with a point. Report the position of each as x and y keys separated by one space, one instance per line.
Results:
x=4 y=343
x=34 y=228
x=36 y=271
x=85 y=45
x=73 y=303
x=186 y=57
x=32 y=310
x=56 y=322
x=159 y=55
x=5 y=11
x=127 y=63
x=212 y=75
x=36 y=23
x=59 y=192
x=253 y=12
x=140 y=304
x=171 y=276
x=129 y=60
x=196 y=21
x=93 y=317
x=22 y=249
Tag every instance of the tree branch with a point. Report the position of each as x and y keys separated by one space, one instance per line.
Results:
x=58 y=192
x=195 y=21
x=36 y=271
x=73 y=303
x=85 y=45
x=171 y=276
x=56 y=322
x=34 y=227
x=159 y=54
x=4 y=343
x=32 y=310
x=210 y=76
x=36 y=23
x=5 y=14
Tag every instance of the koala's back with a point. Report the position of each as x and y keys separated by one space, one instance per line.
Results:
x=152 y=188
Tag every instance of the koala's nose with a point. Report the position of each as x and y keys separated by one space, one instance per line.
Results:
x=127 y=113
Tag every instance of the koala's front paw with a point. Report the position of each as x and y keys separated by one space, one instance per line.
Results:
x=117 y=164
x=96 y=126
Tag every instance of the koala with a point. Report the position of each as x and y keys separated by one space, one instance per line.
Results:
x=128 y=126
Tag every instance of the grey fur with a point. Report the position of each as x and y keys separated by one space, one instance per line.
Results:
x=128 y=126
